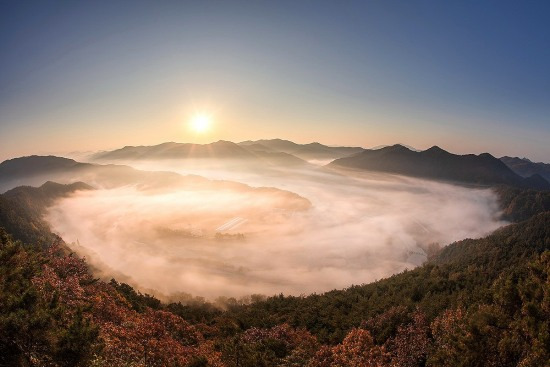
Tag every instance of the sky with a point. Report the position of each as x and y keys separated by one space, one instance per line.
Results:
x=468 y=76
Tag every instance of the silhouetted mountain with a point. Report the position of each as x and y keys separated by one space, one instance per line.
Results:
x=525 y=168
x=20 y=167
x=219 y=150
x=405 y=145
x=436 y=163
x=312 y=151
x=35 y=170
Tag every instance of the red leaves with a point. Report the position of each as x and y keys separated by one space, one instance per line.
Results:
x=151 y=338
x=356 y=350
x=410 y=347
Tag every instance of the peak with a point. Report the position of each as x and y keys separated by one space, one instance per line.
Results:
x=50 y=184
x=488 y=156
x=40 y=158
x=536 y=181
x=397 y=147
x=435 y=148
x=224 y=142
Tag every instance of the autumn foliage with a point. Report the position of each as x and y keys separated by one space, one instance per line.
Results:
x=478 y=303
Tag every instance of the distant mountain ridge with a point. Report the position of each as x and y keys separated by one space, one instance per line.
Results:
x=19 y=167
x=36 y=170
x=246 y=150
x=304 y=151
x=171 y=150
x=220 y=150
x=525 y=168
x=405 y=145
x=436 y=163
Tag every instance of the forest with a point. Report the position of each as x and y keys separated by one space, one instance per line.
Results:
x=476 y=302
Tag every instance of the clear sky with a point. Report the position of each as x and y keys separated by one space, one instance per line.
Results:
x=469 y=76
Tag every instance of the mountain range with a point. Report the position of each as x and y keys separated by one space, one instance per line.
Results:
x=311 y=151
x=436 y=163
x=476 y=302
x=278 y=150
x=525 y=168
x=433 y=163
x=220 y=149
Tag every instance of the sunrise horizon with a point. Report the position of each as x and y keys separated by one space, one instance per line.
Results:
x=274 y=183
x=96 y=78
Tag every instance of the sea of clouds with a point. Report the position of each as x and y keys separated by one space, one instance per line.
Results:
x=355 y=228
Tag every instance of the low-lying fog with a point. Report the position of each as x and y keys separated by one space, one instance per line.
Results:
x=236 y=242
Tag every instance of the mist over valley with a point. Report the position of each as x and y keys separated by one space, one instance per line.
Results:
x=222 y=226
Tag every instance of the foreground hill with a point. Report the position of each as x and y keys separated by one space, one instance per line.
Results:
x=525 y=168
x=436 y=163
x=311 y=151
x=477 y=303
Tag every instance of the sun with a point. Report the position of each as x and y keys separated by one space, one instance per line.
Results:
x=200 y=123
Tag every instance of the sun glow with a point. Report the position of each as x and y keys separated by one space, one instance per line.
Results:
x=200 y=123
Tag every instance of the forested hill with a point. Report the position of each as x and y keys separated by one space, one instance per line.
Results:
x=520 y=204
x=436 y=163
x=462 y=275
x=477 y=303
x=22 y=208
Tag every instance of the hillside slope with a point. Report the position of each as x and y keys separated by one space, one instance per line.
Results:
x=22 y=209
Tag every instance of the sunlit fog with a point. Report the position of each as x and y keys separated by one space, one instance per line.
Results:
x=295 y=231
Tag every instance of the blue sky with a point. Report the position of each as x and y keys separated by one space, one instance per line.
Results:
x=468 y=76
